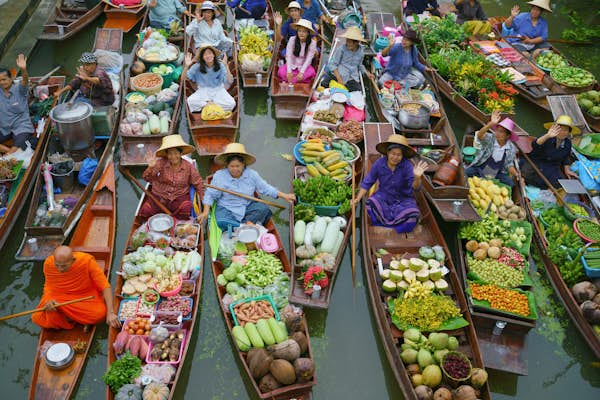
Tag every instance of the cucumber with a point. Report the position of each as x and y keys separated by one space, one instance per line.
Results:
x=279 y=332
x=307 y=234
x=241 y=339
x=299 y=231
x=265 y=332
x=318 y=231
x=282 y=326
x=253 y=335
x=331 y=234
x=338 y=243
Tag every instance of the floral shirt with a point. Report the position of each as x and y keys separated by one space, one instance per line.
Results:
x=169 y=182
x=487 y=149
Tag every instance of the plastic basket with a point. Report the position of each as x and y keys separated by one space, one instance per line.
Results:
x=155 y=319
x=191 y=301
x=572 y=216
x=124 y=327
x=324 y=211
x=140 y=312
x=590 y=272
x=266 y=297
x=171 y=292
x=168 y=79
x=193 y=287
x=581 y=235
x=181 y=346
x=126 y=300
x=298 y=155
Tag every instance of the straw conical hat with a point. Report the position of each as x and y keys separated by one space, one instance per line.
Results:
x=396 y=139
x=235 y=149
x=354 y=33
x=173 y=141
x=543 y=4
x=294 y=4
x=304 y=23
x=566 y=121
x=205 y=46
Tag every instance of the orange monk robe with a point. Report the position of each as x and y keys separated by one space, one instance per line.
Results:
x=83 y=278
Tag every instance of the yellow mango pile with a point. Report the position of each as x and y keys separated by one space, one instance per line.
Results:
x=482 y=192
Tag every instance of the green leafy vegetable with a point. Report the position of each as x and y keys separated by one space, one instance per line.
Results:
x=122 y=372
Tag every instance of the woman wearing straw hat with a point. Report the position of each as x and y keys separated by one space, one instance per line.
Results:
x=393 y=204
x=551 y=153
x=212 y=78
x=206 y=28
x=345 y=66
x=404 y=65
x=496 y=155
x=248 y=8
x=286 y=31
x=171 y=177
x=531 y=27
x=300 y=51
x=237 y=177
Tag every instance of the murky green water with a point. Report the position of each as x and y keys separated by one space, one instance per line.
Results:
x=350 y=361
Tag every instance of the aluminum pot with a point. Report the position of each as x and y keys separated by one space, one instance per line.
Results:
x=418 y=120
x=74 y=125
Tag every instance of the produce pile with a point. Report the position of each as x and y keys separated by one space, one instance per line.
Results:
x=499 y=298
x=334 y=163
x=152 y=116
x=435 y=364
x=9 y=168
x=572 y=77
x=587 y=295
x=255 y=49
x=156 y=49
x=551 y=60
x=351 y=131
x=590 y=102
x=324 y=191
x=484 y=193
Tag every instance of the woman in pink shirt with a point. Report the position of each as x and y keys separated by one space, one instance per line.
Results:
x=300 y=51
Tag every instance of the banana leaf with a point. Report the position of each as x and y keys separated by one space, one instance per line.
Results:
x=448 y=325
x=214 y=234
x=486 y=306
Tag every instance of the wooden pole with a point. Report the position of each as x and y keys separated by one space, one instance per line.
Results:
x=565 y=41
x=127 y=174
x=42 y=308
x=245 y=196
x=353 y=216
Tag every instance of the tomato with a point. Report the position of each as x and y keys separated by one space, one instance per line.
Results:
x=130 y=331
x=139 y=332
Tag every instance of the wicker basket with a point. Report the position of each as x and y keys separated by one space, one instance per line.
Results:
x=148 y=91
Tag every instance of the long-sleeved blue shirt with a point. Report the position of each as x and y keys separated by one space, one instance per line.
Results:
x=164 y=10
x=209 y=79
x=256 y=7
x=401 y=62
x=247 y=184
x=313 y=12
x=348 y=63
x=522 y=25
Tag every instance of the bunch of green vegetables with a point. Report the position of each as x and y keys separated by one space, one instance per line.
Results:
x=322 y=191
x=261 y=268
x=483 y=231
x=122 y=372
x=563 y=245
x=304 y=212
x=438 y=33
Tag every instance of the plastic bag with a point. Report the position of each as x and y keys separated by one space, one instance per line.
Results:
x=88 y=166
x=226 y=250
x=23 y=155
x=212 y=112
x=353 y=114
x=109 y=60
x=158 y=334
x=252 y=63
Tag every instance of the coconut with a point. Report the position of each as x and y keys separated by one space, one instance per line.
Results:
x=435 y=274
x=396 y=276
x=409 y=275
x=404 y=264
x=429 y=285
x=452 y=343
x=395 y=264
x=479 y=377
x=442 y=394
x=432 y=376
x=385 y=274
x=439 y=340
x=493 y=252
x=416 y=264
x=465 y=392
x=388 y=286
x=302 y=341
x=423 y=275
x=268 y=383
x=417 y=380
x=480 y=254
x=402 y=285
x=434 y=264
x=441 y=285
x=283 y=371
x=424 y=392
x=304 y=368
x=472 y=245
x=495 y=243
x=409 y=356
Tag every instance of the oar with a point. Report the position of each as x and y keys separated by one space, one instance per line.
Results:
x=554 y=40
x=323 y=38
x=42 y=308
x=353 y=246
x=245 y=196
x=128 y=175
x=48 y=75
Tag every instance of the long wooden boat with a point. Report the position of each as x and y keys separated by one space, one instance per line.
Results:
x=508 y=351
x=300 y=391
x=187 y=325
x=21 y=186
x=290 y=105
x=135 y=148
x=51 y=233
x=123 y=17
x=67 y=19
x=211 y=137
x=426 y=233
x=95 y=235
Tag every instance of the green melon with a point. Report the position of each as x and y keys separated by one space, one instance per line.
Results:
x=595 y=111
x=585 y=104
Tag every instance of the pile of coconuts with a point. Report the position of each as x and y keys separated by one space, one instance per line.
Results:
x=587 y=295
x=285 y=363
x=422 y=357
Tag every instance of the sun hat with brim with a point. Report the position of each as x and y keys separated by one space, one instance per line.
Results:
x=509 y=125
x=566 y=121
x=208 y=5
x=303 y=23
x=205 y=46
x=171 y=142
x=294 y=4
x=543 y=4
x=235 y=149
x=407 y=151
x=410 y=35
x=88 y=58
x=354 y=33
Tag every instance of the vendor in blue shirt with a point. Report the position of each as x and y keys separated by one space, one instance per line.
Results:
x=15 y=122
x=248 y=8
x=285 y=31
x=237 y=177
x=313 y=12
x=531 y=26
x=163 y=12
x=403 y=66
x=420 y=6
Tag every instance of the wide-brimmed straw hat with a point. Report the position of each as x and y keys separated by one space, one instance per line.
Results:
x=304 y=23
x=205 y=46
x=543 y=4
x=354 y=33
x=509 y=125
x=407 y=151
x=294 y=4
x=173 y=141
x=237 y=149
x=566 y=121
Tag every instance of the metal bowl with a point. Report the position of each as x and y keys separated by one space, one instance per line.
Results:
x=419 y=120
x=59 y=356
x=160 y=222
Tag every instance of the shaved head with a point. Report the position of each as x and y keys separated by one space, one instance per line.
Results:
x=63 y=257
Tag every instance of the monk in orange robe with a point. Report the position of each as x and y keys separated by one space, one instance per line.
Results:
x=69 y=276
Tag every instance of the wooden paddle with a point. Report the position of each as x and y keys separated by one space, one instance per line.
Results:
x=565 y=41
x=128 y=175
x=353 y=216
x=11 y=316
x=245 y=196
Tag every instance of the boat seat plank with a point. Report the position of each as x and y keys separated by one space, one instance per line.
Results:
x=101 y=207
x=92 y=249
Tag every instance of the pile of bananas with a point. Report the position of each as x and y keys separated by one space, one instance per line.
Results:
x=254 y=40
x=416 y=289
x=324 y=162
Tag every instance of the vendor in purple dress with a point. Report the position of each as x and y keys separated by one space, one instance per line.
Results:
x=393 y=204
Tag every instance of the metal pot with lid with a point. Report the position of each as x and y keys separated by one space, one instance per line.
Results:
x=74 y=125
x=59 y=356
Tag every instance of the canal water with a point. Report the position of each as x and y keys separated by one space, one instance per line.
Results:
x=351 y=363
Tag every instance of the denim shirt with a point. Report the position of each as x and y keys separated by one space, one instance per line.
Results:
x=522 y=26
x=401 y=62
x=348 y=63
x=487 y=148
x=15 y=111
x=248 y=183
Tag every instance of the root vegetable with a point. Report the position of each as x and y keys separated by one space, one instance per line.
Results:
x=268 y=383
x=424 y=392
x=584 y=291
x=442 y=394
x=479 y=377
x=465 y=392
x=304 y=368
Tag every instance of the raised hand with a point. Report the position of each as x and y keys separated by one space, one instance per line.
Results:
x=189 y=59
x=151 y=160
x=420 y=169
x=81 y=74
x=277 y=18
x=515 y=11
x=21 y=62
x=495 y=117
x=199 y=17
x=554 y=131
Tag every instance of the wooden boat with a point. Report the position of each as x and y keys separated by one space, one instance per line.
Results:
x=211 y=137
x=426 y=233
x=290 y=105
x=95 y=235
x=300 y=391
x=187 y=325
x=123 y=17
x=508 y=351
x=68 y=18
x=21 y=186
x=51 y=233
x=135 y=148
x=249 y=79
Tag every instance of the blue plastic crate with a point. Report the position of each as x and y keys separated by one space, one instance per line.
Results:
x=266 y=297
x=590 y=272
